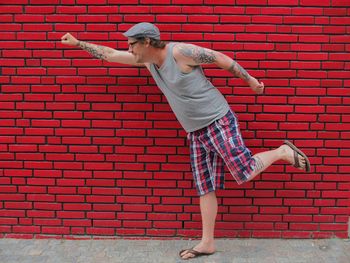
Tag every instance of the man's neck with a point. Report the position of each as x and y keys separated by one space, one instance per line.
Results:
x=158 y=56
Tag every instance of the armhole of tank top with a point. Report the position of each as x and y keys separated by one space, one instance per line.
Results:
x=173 y=57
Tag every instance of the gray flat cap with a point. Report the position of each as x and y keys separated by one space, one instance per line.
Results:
x=143 y=29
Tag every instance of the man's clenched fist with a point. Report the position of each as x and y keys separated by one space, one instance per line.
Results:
x=257 y=87
x=68 y=39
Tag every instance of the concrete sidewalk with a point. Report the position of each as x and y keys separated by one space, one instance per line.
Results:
x=166 y=251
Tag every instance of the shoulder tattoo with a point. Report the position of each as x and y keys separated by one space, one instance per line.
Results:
x=198 y=54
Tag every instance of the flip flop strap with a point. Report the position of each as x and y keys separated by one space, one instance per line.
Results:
x=296 y=160
x=194 y=252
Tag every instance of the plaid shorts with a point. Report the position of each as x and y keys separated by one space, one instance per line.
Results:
x=215 y=145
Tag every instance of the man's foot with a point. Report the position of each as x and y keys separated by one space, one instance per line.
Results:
x=197 y=251
x=295 y=156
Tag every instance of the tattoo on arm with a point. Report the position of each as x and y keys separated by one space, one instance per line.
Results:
x=198 y=54
x=238 y=71
x=97 y=51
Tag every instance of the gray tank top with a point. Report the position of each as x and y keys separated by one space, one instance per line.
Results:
x=194 y=100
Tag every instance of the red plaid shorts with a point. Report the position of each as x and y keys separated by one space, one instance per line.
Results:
x=215 y=145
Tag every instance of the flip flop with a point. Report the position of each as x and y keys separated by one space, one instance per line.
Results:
x=195 y=253
x=296 y=153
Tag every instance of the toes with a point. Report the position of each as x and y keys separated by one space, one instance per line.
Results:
x=186 y=254
x=182 y=254
x=302 y=163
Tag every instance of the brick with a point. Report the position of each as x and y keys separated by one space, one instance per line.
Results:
x=335 y=194
x=39 y=181
x=10 y=27
x=333 y=227
x=8 y=189
x=311 y=3
x=47 y=206
x=14 y=165
x=334 y=211
x=11 y=9
x=131 y=232
x=26 y=229
x=304 y=227
x=8 y=221
x=17 y=53
x=37 y=27
x=297 y=218
x=283 y=2
x=304 y=210
x=339 y=3
x=106 y=223
x=34 y=213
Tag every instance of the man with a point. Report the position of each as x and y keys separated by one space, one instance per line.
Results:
x=203 y=112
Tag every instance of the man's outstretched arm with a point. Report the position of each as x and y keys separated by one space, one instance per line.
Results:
x=194 y=55
x=101 y=52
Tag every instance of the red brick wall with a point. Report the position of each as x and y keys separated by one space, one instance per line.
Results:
x=92 y=148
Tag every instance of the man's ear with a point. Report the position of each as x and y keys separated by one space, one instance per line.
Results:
x=147 y=41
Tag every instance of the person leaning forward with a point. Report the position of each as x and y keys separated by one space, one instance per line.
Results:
x=212 y=127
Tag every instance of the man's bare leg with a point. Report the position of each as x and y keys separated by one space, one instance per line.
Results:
x=265 y=159
x=209 y=209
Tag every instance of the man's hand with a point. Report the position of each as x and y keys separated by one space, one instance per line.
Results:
x=257 y=87
x=68 y=39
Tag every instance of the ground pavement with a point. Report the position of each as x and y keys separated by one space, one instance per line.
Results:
x=166 y=251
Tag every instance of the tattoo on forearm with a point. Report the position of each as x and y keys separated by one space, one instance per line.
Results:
x=238 y=71
x=95 y=50
x=198 y=54
x=259 y=165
